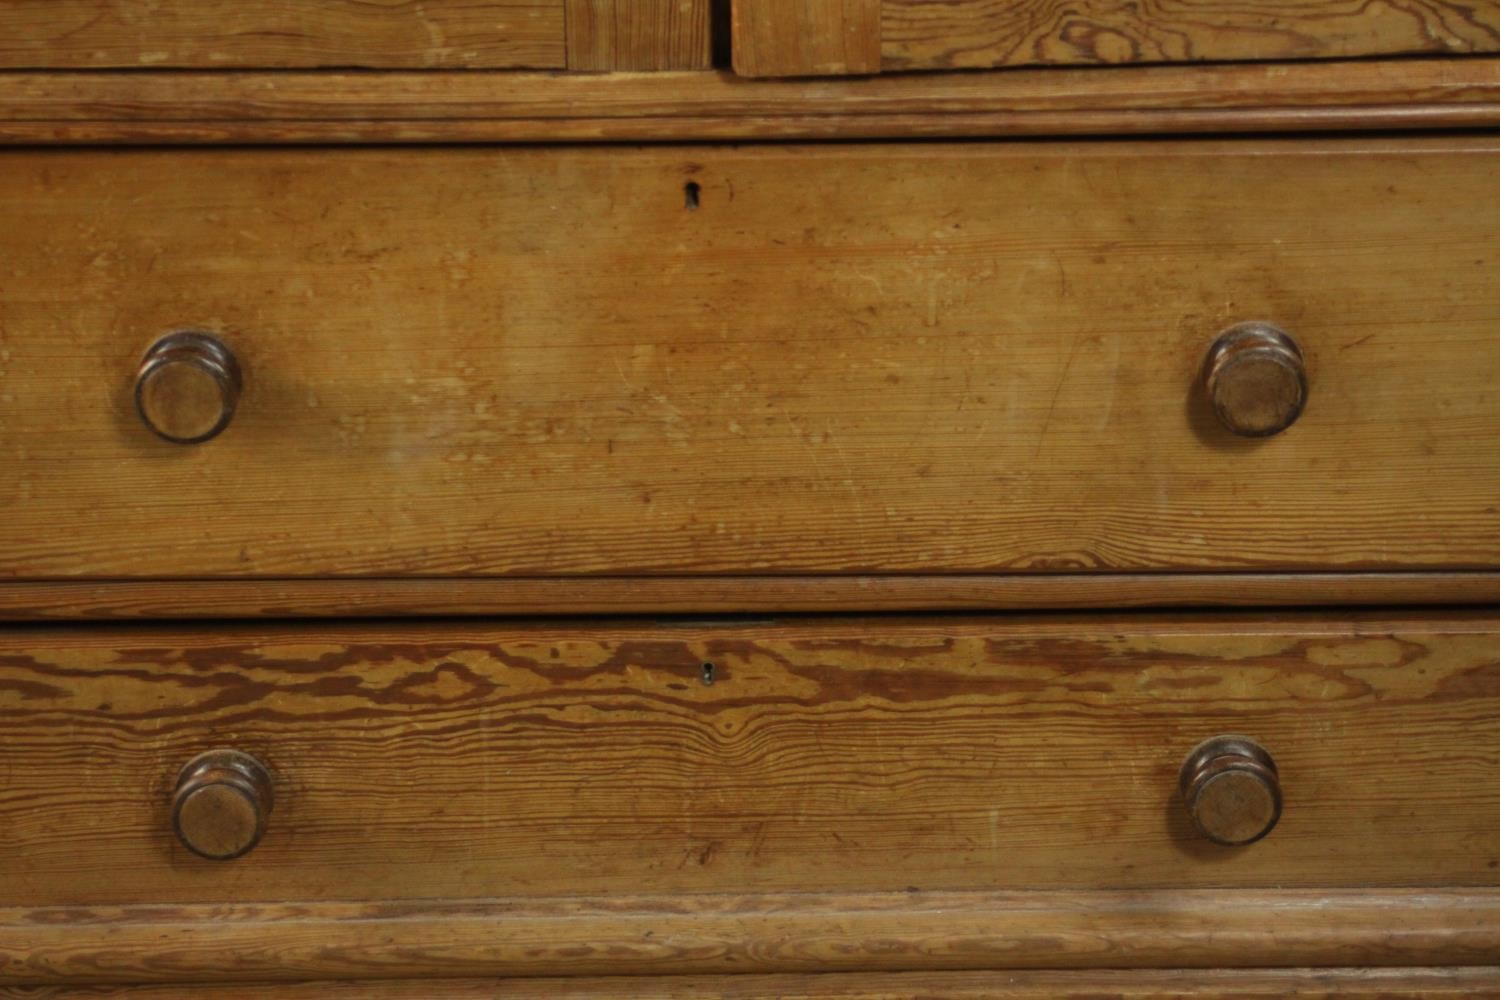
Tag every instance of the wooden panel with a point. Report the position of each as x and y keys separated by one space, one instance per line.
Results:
x=881 y=755
x=792 y=933
x=540 y=362
x=919 y=34
x=1197 y=984
x=806 y=37
x=97 y=34
x=380 y=598
x=331 y=106
x=639 y=34
x=771 y=36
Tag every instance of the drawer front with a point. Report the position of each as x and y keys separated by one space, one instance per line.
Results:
x=830 y=37
x=877 y=359
x=445 y=762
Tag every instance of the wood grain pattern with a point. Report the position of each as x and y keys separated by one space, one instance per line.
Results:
x=326 y=107
x=223 y=34
x=711 y=934
x=622 y=35
x=973 y=34
x=1197 y=984
x=968 y=34
x=428 y=761
x=806 y=37
x=540 y=362
x=381 y=598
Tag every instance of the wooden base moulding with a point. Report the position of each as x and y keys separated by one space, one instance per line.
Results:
x=1175 y=984
x=750 y=934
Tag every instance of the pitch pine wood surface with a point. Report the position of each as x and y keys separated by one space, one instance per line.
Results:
x=371 y=34
x=798 y=38
x=222 y=34
x=865 y=36
x=438 y=761
x=639 y=34
x=882 y=359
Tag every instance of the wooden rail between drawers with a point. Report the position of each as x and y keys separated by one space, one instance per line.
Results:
x=764 y=934
x=474 y=106
x=372 y=598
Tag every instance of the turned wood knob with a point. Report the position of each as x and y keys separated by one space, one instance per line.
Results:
x=1231 y=789
x=187 y=387
x=222 y=802
x=1255 y=379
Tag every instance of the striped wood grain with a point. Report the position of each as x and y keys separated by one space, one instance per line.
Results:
x=845 y=755
x=868 y=36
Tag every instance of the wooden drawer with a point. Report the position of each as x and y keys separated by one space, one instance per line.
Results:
x=382 y=34
x=822 y=37
x=439 y=761
x=875 y=359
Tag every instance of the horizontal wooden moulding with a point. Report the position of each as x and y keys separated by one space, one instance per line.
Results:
x=764 y=934
x=1477 y=983
x=370 y=598
x=317 y=107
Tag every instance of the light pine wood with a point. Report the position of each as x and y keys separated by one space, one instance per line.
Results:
x=1195 y=984
x=378 y=598
x=714 y=934
x=618 y=35
x=224 y=34
x=898 y=35
x=332 y=107
x=440 y=760
x=867 y=360
x=802 y=38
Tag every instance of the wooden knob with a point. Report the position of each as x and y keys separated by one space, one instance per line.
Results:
x=1231 y=789
x=187 y=387
x=222 y=802
x=1255 y=379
